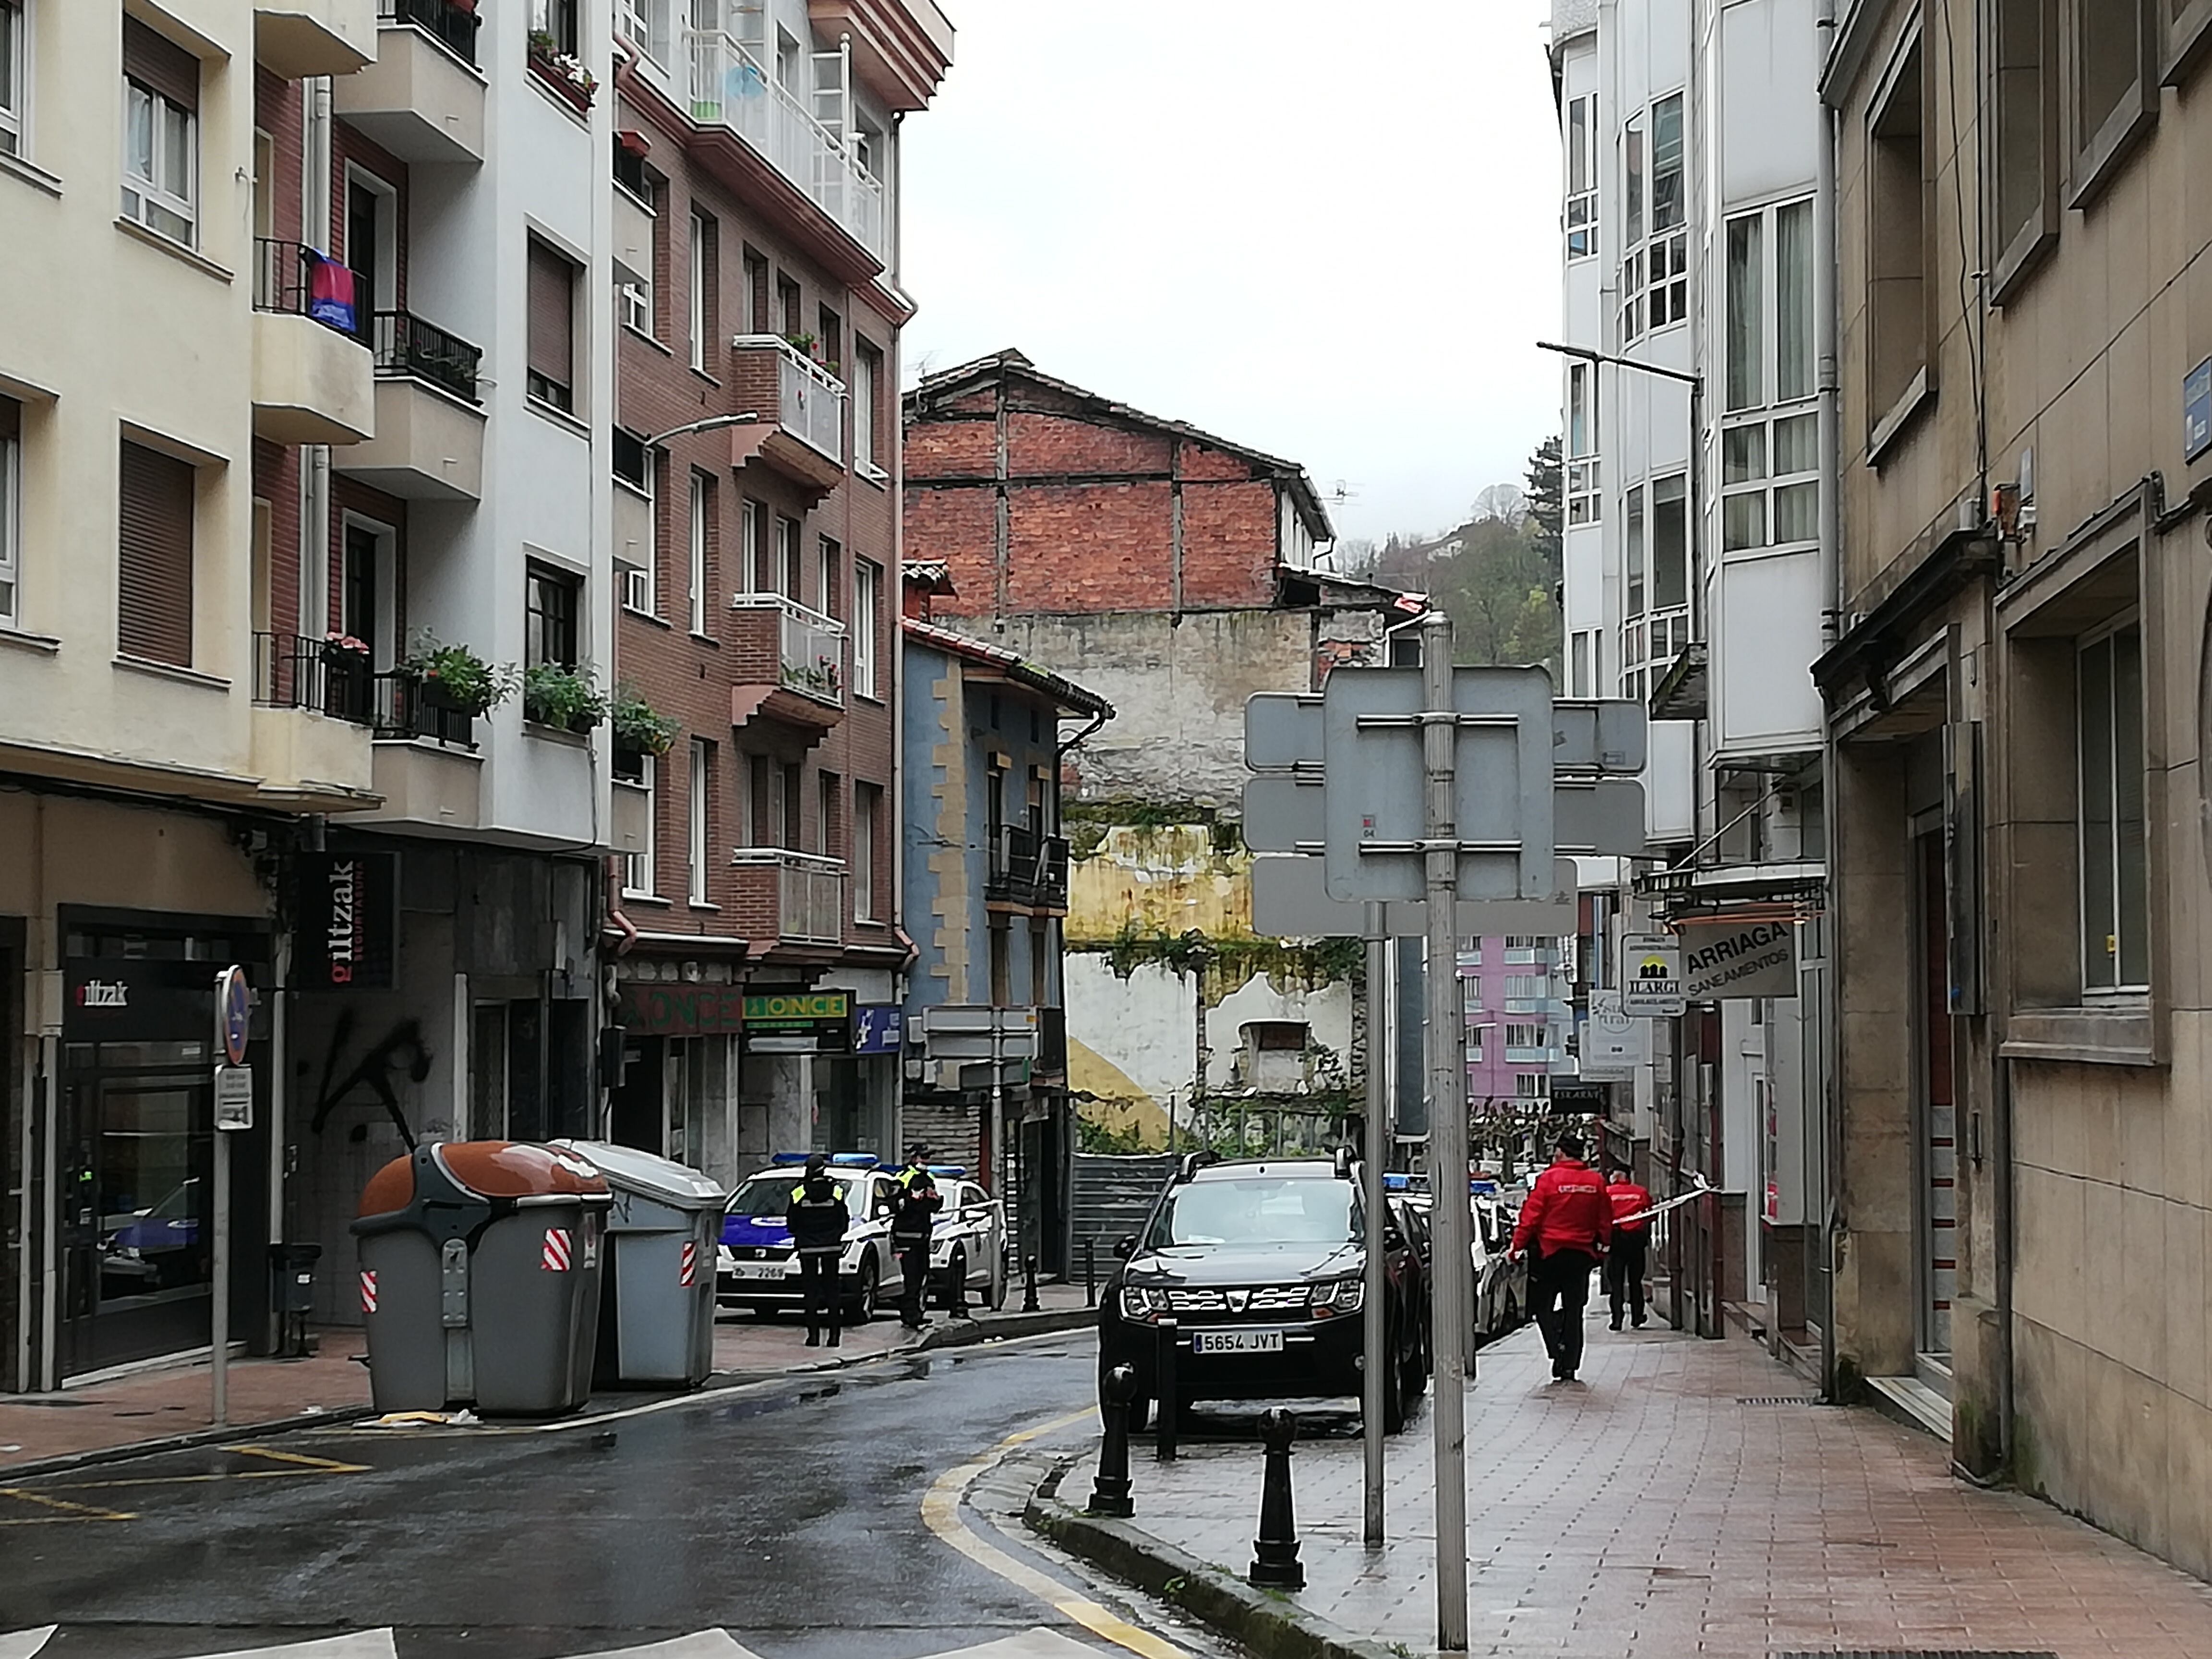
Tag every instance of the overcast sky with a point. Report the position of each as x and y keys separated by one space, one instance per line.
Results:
x=1326 y=231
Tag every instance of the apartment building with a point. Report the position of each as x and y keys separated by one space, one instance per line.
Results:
x=754 y=191
x=1512 y=990
x=2015 y=721
x=1696 y=529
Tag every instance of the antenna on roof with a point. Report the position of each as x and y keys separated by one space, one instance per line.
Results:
x=1344 y=492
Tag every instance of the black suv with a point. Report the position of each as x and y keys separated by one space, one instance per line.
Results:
x=1261 y=1263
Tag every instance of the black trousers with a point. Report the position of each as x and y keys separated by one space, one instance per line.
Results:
x=1623 y=1274
x=913 y=1268
x=1559 y=1285
x=817 y=1283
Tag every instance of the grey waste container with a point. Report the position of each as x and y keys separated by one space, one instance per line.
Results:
x=657 y=1301
x=480 y=1277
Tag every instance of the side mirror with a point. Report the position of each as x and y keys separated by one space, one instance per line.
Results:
x=1126 y=1246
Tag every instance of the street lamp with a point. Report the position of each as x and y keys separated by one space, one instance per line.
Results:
x=712 y=423
x=1696 y=382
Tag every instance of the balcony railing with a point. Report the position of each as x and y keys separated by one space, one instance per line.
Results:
x=280 y=283
x=810 y=402
x=810 y=892
x=730 y=88
x=406 y=345
x=810 y=647
x=441 y=20
x=320 y=676
x=406 y=708
x=1027 y=868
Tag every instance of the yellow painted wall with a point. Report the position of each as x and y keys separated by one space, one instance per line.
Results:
x=1168 y=880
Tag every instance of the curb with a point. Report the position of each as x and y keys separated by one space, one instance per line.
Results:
x=68 y=1461
x=965 y=1333
x=1265 y=1623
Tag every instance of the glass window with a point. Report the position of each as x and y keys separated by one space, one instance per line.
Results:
x=634 y=296
x=2115 y=872
x=551 y=613
x=12 y=77
x=1581 y=177
x=1793 y=301
x=748 y=548
x=867 y=801
x=1633 y=159
x=1582 y=467
x=1670 y=548
x=161 y=164
x=11 y=519
x=1634 y=541
x=829 y=555
x=1255 y=1210
x=639 y=876
x=1747 y=313
x=866 y=362
x=699 y=809
x=867 y=620
x=1667 y=164
x=702 y=271
x=702 y=507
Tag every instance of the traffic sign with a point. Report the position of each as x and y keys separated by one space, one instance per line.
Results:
x=1284 y=815
x=1289 y=900
x=1651 y=977
x=234 y=1012
x=234 y=1097
x=1594 y=817
x=1282 y=731
x=1598 y=735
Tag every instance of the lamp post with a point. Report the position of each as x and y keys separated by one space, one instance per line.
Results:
x=712 y=423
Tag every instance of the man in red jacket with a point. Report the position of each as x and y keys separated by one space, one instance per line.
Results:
x=1568 y=1221
x=1624 y=1264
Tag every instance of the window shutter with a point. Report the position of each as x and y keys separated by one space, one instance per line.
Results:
x=152 y=60
x=154 y=602
x=552 y=319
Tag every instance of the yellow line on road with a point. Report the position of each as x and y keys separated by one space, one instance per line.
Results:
x=940 y=1511
x=297 y=1466
x=327 y=1466
x=74 y=1512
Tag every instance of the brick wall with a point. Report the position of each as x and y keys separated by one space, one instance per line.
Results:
x=350 y=148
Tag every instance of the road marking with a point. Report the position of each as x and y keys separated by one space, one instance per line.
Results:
x=323 y=1464
x=71 y=1512
x=24 y=1644
x=940 y=1512
x=699 y=1644
x=298 y=1465
x=355 y=1644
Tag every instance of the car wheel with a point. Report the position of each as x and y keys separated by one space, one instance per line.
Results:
x=956 y=1281
x=862 y=1308
x=1394 y=1402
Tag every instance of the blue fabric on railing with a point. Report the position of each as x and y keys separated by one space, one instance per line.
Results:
x=331 y=293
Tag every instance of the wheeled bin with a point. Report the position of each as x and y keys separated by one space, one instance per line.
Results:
x=657 y=1297
x=480 y=1277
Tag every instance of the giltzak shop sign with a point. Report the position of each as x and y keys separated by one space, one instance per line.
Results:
x=1723 y=957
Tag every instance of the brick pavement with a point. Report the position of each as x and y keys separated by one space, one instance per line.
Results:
x=1646 y=1513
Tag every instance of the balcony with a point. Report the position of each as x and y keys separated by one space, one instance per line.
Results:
x=297 y=38
x=1028 y=868
x=405 y=709
x=429 y=433
x=313 y=382
x=801 y=405
x=421 y=99
x=789 y=666
x=807 y=893
x=311 y=716
x=900 y=48
x=732 y=93
x=425 y=766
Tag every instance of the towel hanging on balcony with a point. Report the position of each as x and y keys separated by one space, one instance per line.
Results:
x=330 y=293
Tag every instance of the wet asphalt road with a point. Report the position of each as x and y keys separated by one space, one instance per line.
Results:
x=791 y=1516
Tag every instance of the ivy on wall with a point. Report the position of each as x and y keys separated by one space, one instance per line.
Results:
x=1229 y=962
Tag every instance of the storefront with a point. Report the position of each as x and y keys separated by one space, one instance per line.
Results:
x=677 y=1093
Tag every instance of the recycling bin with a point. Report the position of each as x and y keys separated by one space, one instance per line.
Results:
x=480 y=1277
x=657 y=1300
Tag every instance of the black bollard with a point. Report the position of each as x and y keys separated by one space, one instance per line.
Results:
x=1164 y=1391
x=1275 y=1551
x=1029 y=1284
x=1091 y=1272
x=1110 y=1488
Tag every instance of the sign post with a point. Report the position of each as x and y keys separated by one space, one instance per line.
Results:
x=234 y=1110
x=1376 y=1335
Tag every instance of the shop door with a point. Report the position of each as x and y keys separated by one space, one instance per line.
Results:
x=1935 y=1116
x=636 y=1109
x=138 y=1245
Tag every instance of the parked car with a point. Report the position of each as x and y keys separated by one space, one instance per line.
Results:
x=756 y=1268
x=968 y=1247
x=1261 y=1263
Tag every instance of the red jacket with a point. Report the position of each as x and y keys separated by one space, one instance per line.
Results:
x=1567 y=1210
x=1627 y=1199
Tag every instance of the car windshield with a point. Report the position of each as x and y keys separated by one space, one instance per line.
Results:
x=770 y=1194
x=1258 y=1210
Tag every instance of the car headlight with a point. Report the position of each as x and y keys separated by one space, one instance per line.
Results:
x=1143 y=1302
x=1339 y=1296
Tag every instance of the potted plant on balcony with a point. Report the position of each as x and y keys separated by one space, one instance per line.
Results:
x=561 y=698
x=638 y=728
x=564 y=74
x=346 y=662
x=452 y=676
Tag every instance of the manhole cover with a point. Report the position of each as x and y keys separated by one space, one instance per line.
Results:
x=1910 y=1653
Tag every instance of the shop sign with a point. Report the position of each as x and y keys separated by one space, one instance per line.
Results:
x=347 y=935
x=138 y=998
x=812 y=1011
x=878 y=1028
x=1727 y=959
x=234 y=1097
x=1651 y=975
x=1613 y=1041
x=681 y=1010
x=1573 y=1096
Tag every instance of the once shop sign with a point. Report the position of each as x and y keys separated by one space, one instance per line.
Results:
x=799 y=1010
x=1727 y=959
x=681 y=1010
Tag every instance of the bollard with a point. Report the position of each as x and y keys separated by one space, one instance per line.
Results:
x=1275 y=1551
x=1091 y=1272
x=1164 y=1391
x=1110 y=1488
x=1029 y=1284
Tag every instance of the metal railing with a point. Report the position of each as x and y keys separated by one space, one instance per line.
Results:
x=810 y=647
x=280 y=280
x=810 y=892
x=404 y=344
x=730 y=88
x=810 y=401
x=445 y=22
x=1027 y=868
x=319 y=675
x=405 y=709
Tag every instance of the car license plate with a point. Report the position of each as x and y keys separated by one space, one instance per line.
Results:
x=1236 y=1342
x=760 y=1270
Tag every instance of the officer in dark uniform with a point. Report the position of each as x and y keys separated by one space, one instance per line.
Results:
x=819 y=1221
x=914 y=1217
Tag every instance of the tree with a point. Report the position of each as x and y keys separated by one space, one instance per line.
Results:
x=1546 y=503
x=1504 y=501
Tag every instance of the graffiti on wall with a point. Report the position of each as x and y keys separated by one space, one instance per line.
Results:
x=399 y=1053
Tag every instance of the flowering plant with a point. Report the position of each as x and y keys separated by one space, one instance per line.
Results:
x=335 y=640
x=545 y=51
x=557 y=696
x=459 y=677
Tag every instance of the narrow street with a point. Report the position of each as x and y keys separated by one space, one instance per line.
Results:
x=791 y=1516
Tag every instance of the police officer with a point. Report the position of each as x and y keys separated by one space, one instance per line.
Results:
x=914 y=1217
x=1624 y=1265
x=1568 y=1221
x=819 y=1221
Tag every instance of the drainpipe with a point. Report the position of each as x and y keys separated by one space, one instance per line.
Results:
x=1825 y=1203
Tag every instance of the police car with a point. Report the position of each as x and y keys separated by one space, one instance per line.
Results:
x=968 y=1246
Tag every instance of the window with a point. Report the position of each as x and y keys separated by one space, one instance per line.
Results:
x=826 y=814
x=1532 y=1085
x=1770 y=306
x=1582 y=177
x=791 y=563
x=1670 y=547
x=1657 y=609
x=160 y=134
x=2115 y=91
x=749 y=547
x=758 y=320
x=1654 y=274
x=868 y=621
x=15 y=75
x=649 y=24
x=634 y=466
x=1899 y=201
x=699 y=805
x=1771 y=482
x=704 y=266
x=867 y=816
x=633 y=299
x=2114 y=867
x=867 y=370
x=695 y=580
x=1582 y=648
x=551 y=608
x=1582 y=479
x=153 y=598
x=639 y=878
x=2023 y=120
x=830 y=337
x=1747 y=311
x=1525 y=988
x=792 y=308
x=2188 y=32
x=558 y=19
x=630 y=171
x=552 y=327
x=12 y=512
x=1001 y=966
x=830 y=554
x=1633 y=552
x=1528 y=1037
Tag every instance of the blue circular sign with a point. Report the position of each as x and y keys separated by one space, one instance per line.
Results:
x=234 y=1009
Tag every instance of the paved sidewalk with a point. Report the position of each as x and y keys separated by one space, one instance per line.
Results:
x=1656 y=1512
x=172 y=1401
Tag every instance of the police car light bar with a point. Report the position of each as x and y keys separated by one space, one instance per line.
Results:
x=949 y=1171
x=841 y=1160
